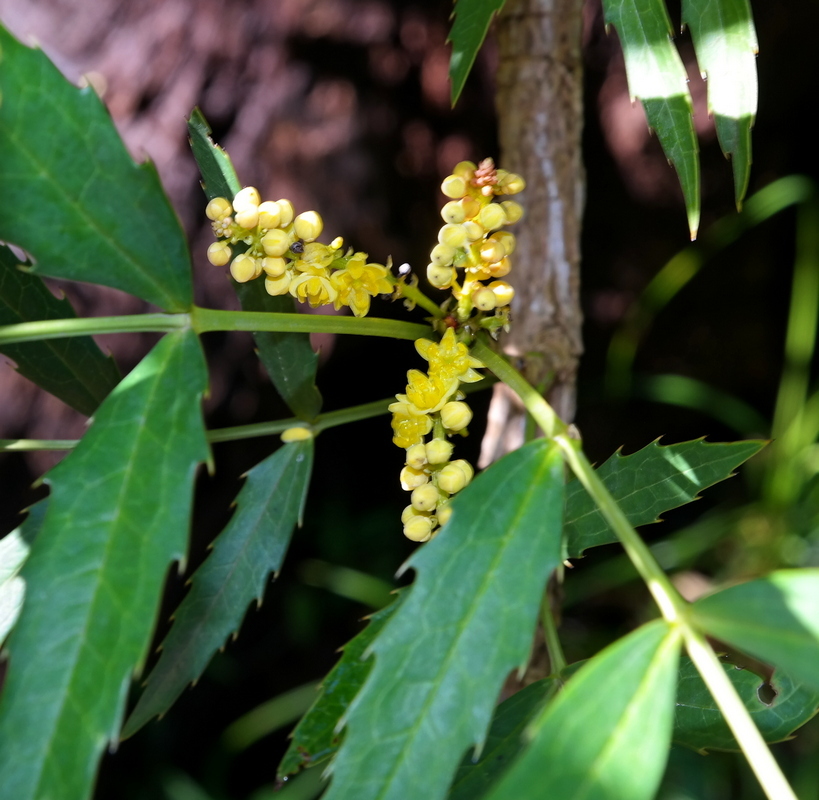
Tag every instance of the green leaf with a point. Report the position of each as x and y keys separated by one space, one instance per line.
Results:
x=649 y=482
x=775 y=619
x=657 y=77
x=235 y=573
x=218 y=175
x=73 y=369
x=726 y=46
x=14 y=550
x=699 y=724
x=118 y=515
x=504 y=742
x=466 y=622
x=82 y=207
x=606 y=735
x=316 y=738
x=288 y=357
x=469 y=28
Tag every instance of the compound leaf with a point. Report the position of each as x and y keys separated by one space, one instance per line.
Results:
x=606 y=734
x=73 y=369
x=315 y=738
x=82 y=207
x=777 y=707
x=118 y=515
x=465 y=623
x=726 y=45
x=649 y=482
x=657 y=77
x=775 y=619
x=235 y=573
x=469 y=28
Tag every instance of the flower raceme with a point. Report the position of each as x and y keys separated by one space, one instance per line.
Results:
x=268 y=238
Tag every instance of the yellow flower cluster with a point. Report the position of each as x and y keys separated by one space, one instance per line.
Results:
x=268 y=238
x=433 y=404
x=471 y=239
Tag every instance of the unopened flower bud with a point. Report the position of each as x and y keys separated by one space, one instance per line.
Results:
x=308 y=225
x=442 y=255
x=219 y=254
x=455 y=476
x=456 y=415
x=513 y=211
x=465 y=170
x=471 y=206
x=248 y=217
x=452 y=235
x=492 y=216
x=243 y=268
x=500 y=268
x=474 y=231
x=484 y=299
x=276 y=242
x=440 y=277
x=508 y=240
x=412 y=478
x=492 y=250
x=418 y=529
x=286 y=211
x=512 y=183
x=425 y=497
x=503 y=292
x=443 y=512
x=274 y=267
x=417 y=456
x=278 y=286
x=270 y=214
x=454 y=187
x=453 y=212
x=218 y=208
x=297 y=434
x=439 y=451
x=247 y=197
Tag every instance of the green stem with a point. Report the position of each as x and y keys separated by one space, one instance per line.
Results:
x=557 y=661
x=63 y=328
x=415 y=295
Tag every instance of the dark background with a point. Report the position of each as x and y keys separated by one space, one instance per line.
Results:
x=343 y=106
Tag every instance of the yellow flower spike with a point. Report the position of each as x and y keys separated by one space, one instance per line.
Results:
x=286 y=211
x=484 y=299
x=456 y=415
x=425 y=497
x=412 y=478
x=270 y=214
x=308 y=225
x=276 y=242
x=243 y=268
x=492 y=217
x=454 y=212
x=418 y=529
x=429 y=393
x=454 y=187
x=439 y=451
x=278 y=286
x=442 y=255
x=218 y=208
x=417 y=456
x=274 y=267
x=247 y=218
x=219 y=254
x=513 y=211
x=246 y=198
x=439 y=276
x=503 y=293
x=296 y=434
x=452 y=235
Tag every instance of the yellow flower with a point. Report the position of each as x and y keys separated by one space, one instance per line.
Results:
x=313 y=287
x=429 y=393
x=315 y=256
x=358 y=282
x=408 y=424
x=449 y=358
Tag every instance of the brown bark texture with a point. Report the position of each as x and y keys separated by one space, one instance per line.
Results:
x=540 y=116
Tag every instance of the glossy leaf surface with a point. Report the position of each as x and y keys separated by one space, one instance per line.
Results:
x=726 y=45
x=775 y=619
x=315 y=738
x=251 y=547
x=73 y=369
x=649 y=482
x=109 y=222
x=657 y=77
x=466 y=622
x=606 y=735
x=471 y=20
x=118 y=515
x=699 y=724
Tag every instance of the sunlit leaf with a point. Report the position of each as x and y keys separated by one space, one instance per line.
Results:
x=648 y=483
x=726 y=46
x=315 y=738
x=82 y=207
x=466 y=622
x=657 y=77
x=606 y=734
x=73 y=369
x=118 y=515
x=777 y=709
x=251 y=547
x=775 y=619
x=469 y=28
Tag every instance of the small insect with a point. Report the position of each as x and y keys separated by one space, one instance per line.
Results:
x=297 y=247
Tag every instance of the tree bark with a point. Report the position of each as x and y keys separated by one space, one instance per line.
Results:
x=540 y=116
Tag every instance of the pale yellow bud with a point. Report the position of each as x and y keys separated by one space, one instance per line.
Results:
x=418 y=529
x=453 y=187
x=278 y=286
x=503 y=292
x=492 y=250
x=248 y=217
x=274 y=267
x=270 y=214
x=442 y=254
x=474 y=231
x=513 y=211
x=456 y=415
x=219 y=254
x=337 y=243
x=425 y=497
x=412 y=478
x=417 y=456
x=440 y=277
x=243 y=268
x=471 y=206
x=465 y=170
x=439 y=451
x=492 y=217
x=409 y=512
x=453 y=212
x=443 y=512
x=308 y=225
x=508 y=239
x=286 y=210
x=247 y=197
x=484 y=299
x=512 y=183
x=276 y=242
x=500 y=268
x=296 y=434
x=452 y=235
x=455 y=476
x=218 y=208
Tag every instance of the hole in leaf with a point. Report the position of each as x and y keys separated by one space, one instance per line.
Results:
x=766 y=693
